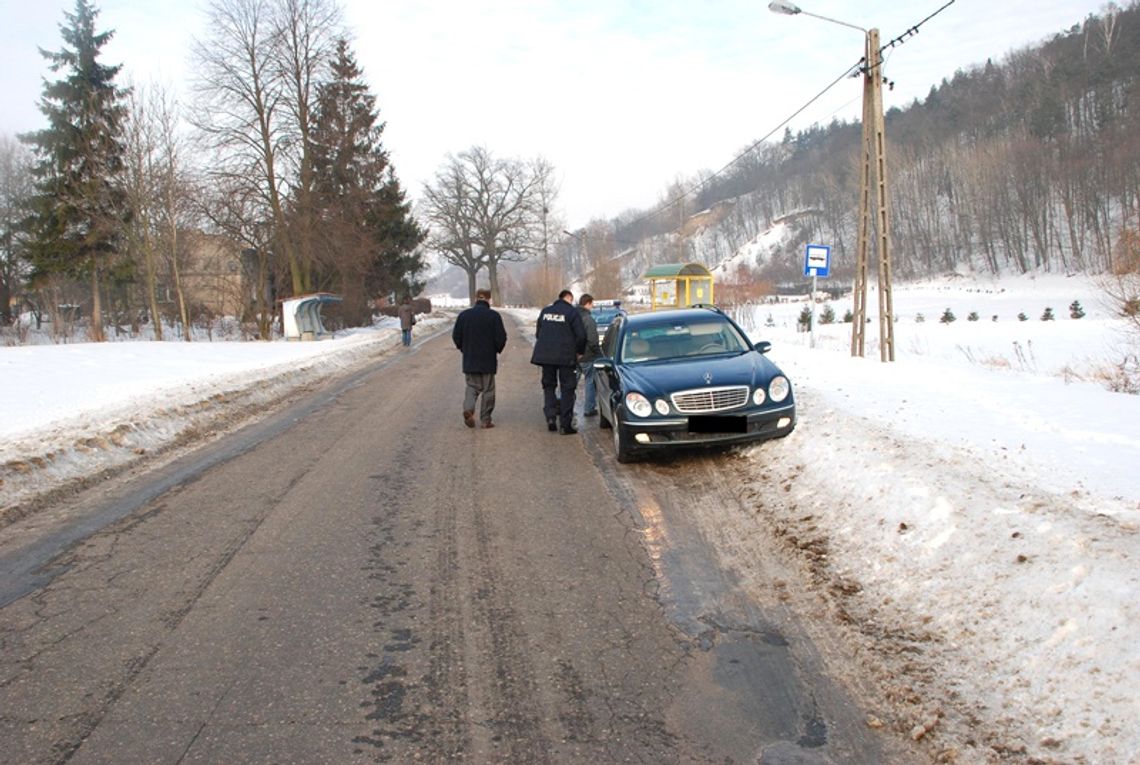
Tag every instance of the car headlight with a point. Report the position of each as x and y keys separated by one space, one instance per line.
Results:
x=779 y=388
x=661 y=405
x=758 y=396
x=638 y=404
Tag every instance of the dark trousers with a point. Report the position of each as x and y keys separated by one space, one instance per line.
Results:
x=560 y=404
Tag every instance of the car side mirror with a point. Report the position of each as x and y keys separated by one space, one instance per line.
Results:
x=603 y=362
x=763 y=346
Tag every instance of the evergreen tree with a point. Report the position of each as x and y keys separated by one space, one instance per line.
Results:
x=972 y=316
x=79 y=207
x=947 y=317
x=827 y=315
x=1022 y=317
x=370 y=239
x=1047 y=315
x=1075 y=310
x=803 y=323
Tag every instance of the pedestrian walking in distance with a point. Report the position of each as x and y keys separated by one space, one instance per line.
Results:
x=407 y=316
x=559 y=340
x=593 y=351
x=480 y=336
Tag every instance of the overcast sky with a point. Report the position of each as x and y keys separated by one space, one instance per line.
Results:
x=622 y=96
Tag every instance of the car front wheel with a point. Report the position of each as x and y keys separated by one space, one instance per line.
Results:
x=621 y=440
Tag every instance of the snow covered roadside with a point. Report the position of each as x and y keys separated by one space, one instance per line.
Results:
x=83 y=410
x=974 y=524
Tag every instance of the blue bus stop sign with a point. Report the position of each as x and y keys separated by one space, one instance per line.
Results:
x=817 y=260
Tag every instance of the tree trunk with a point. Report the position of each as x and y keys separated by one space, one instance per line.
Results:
x=96 y=329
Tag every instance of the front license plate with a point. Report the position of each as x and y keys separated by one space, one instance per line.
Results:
x=718 y=424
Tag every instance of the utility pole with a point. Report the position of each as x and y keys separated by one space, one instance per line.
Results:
x=874 y=220
x=874 y=217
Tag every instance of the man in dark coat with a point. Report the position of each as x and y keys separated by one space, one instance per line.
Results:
x=559 y=339
x=480 y=335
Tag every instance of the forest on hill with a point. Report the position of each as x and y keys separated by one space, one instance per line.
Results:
x=1030 y=163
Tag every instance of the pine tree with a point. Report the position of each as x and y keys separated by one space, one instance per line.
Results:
x=803 y=323
x=79 y=208
x=947 y=317
x=972 y=316
x=1075 y=310
x=827 y=315
x=1047 y=314
x=370 y=236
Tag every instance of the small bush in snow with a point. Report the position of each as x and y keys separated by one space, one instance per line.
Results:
x=1047 y=315
x=827 y=315
x=994 y=317
x=1022 y=317
x=919 y=318
x=803 y=323
x=972 y=316
x=770 y=322
x=948 y=317
x=1075 y=310
x=848 y=317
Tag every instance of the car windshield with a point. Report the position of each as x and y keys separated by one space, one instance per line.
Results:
x=606 y=314
x=684 y=339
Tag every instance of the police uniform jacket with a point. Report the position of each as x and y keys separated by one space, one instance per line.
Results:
x=559 y=335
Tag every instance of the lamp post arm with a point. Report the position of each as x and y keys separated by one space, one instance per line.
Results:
x=833 y=21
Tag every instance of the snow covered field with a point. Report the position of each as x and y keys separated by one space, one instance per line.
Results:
x=977 y=501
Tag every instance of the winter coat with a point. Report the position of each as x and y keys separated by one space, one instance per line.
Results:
x=480 y=335
x=559 y=335
x=593 y=343
x=407 y=315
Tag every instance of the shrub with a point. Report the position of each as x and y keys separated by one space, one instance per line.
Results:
x=1022 y=317
x=803 y=323
x=948 y=317
x=1075 y=310
x=848 y=317
x=919 y=318
x=827 y=315
x=972 y=316
x=1047 y=315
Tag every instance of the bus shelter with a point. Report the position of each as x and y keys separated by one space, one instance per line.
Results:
x=301 y=316
x=679 y=285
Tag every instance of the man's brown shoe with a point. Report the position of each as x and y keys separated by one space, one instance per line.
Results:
x=469 y=418
x=488 y=424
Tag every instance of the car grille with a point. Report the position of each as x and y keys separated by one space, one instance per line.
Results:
x=710 y=399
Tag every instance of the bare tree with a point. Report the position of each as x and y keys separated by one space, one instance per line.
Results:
x=488 y=211
x=254 y=85
x=446 y=207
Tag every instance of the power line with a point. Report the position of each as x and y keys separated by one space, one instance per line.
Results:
x=857 y=67
x=661 y=208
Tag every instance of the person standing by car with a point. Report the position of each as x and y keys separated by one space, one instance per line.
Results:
x=407 y=316
x=559 y=340
x=593 y=351
x=480 y=336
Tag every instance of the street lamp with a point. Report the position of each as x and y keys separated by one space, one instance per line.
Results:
x=872 y=193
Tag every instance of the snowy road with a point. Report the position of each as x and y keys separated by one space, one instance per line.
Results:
x=379 y=583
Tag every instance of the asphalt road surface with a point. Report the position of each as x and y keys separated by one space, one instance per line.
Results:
x=364 y=579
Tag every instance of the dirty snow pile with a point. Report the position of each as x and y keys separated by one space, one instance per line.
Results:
x=980 y=503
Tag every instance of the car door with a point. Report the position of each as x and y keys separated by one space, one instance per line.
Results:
x=607 y=380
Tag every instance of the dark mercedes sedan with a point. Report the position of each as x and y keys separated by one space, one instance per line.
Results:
x=688 y=377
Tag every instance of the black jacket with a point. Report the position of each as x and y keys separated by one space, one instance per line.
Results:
x=559 y=335
x=593 y=344
x=479 y=333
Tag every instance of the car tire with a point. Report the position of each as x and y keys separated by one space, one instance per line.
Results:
x=621 y=441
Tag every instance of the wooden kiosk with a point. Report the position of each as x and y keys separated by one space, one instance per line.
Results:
x=679 y=285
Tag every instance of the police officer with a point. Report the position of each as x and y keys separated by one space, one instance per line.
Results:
x=559 y=340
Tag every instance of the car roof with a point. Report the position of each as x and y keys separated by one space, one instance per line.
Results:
x=673 y=314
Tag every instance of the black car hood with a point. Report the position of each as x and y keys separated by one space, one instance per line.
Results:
x=662 y=377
